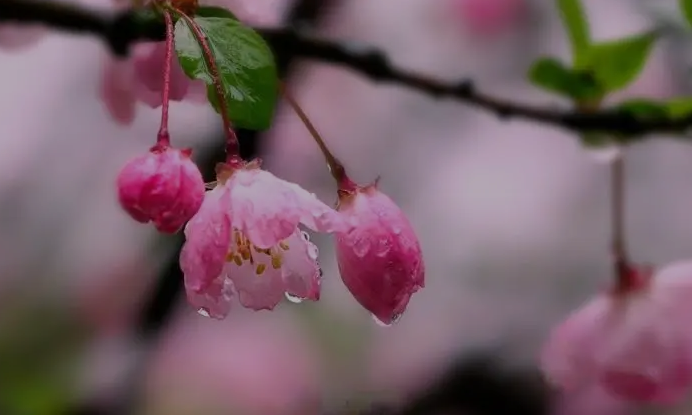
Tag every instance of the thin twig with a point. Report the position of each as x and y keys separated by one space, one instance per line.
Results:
x=121 y=30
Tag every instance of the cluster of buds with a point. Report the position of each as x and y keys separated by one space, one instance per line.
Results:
x=245 y=241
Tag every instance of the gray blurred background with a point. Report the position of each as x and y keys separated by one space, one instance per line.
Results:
x=512 y=217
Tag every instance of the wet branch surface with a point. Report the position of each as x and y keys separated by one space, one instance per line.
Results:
x=121 y=30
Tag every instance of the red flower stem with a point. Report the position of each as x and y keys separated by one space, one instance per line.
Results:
x=619 y=245
x=163 y=138
x=232 y=144
x=336 y=168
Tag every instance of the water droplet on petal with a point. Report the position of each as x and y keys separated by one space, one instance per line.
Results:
x=361 y=246
x=203 y=312
x=380 y=323
x=383 y=246
x=294 y=298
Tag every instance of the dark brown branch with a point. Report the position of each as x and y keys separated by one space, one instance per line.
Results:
x=121 y=30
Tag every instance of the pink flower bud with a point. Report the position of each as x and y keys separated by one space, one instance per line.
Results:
x=163 y=186
x=380 y=258
x=635 y=343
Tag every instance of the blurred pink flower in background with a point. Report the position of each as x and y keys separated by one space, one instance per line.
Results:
x=14 y=37
x=251 y=364
x=139 y=79
x=592 y=400
x=634 y=341
x=489 y=17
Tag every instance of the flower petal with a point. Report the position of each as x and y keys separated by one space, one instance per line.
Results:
x=208 y=239
x=568 y=357
x=300 y=270
x=215 y=300
x=257 y=291
x=267 y=209
x=117 y=89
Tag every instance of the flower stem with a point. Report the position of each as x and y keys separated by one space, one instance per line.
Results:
x=336 y=168
x=163 y=138
x=621 y=261
x=232 y=144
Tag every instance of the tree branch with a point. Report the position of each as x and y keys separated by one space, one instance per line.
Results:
x=121 y=30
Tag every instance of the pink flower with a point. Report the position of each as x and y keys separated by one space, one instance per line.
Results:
x=489 y=17
x=245 y=241
x=256 y=365
x=636 y=344
x=14 y=37
x=380 y=258
x=139 y=78
x=163 y=186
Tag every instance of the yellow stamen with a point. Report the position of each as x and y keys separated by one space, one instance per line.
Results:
x=276 y=261
x=260 y=269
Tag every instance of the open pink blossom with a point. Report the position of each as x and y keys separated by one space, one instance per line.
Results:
x=245 y=242
x=163 y=186
x=379 y=258
x=13 y=37
x=139 y=78
x=636 y=344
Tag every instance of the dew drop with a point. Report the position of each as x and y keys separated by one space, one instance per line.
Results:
x=305 y=236
x=395 y=319
x=361 y=247
x=294 y=298
x=203 y=312
x=313 y=252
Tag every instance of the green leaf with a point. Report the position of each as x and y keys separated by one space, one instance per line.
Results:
x=686 y=7
x=245 y=63
x=211 y=11
x=679 y=108
x=674 y=109
x=643 y=108
x=574 y=19
x=551 y=75
x=616 y=64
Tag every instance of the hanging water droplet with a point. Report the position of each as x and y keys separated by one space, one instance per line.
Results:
x=203 y=312
x=305 y=236
x=313 y=251
x=395 y=319
x=294 y=298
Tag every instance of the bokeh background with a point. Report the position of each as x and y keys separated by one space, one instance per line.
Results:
x=512 y=217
